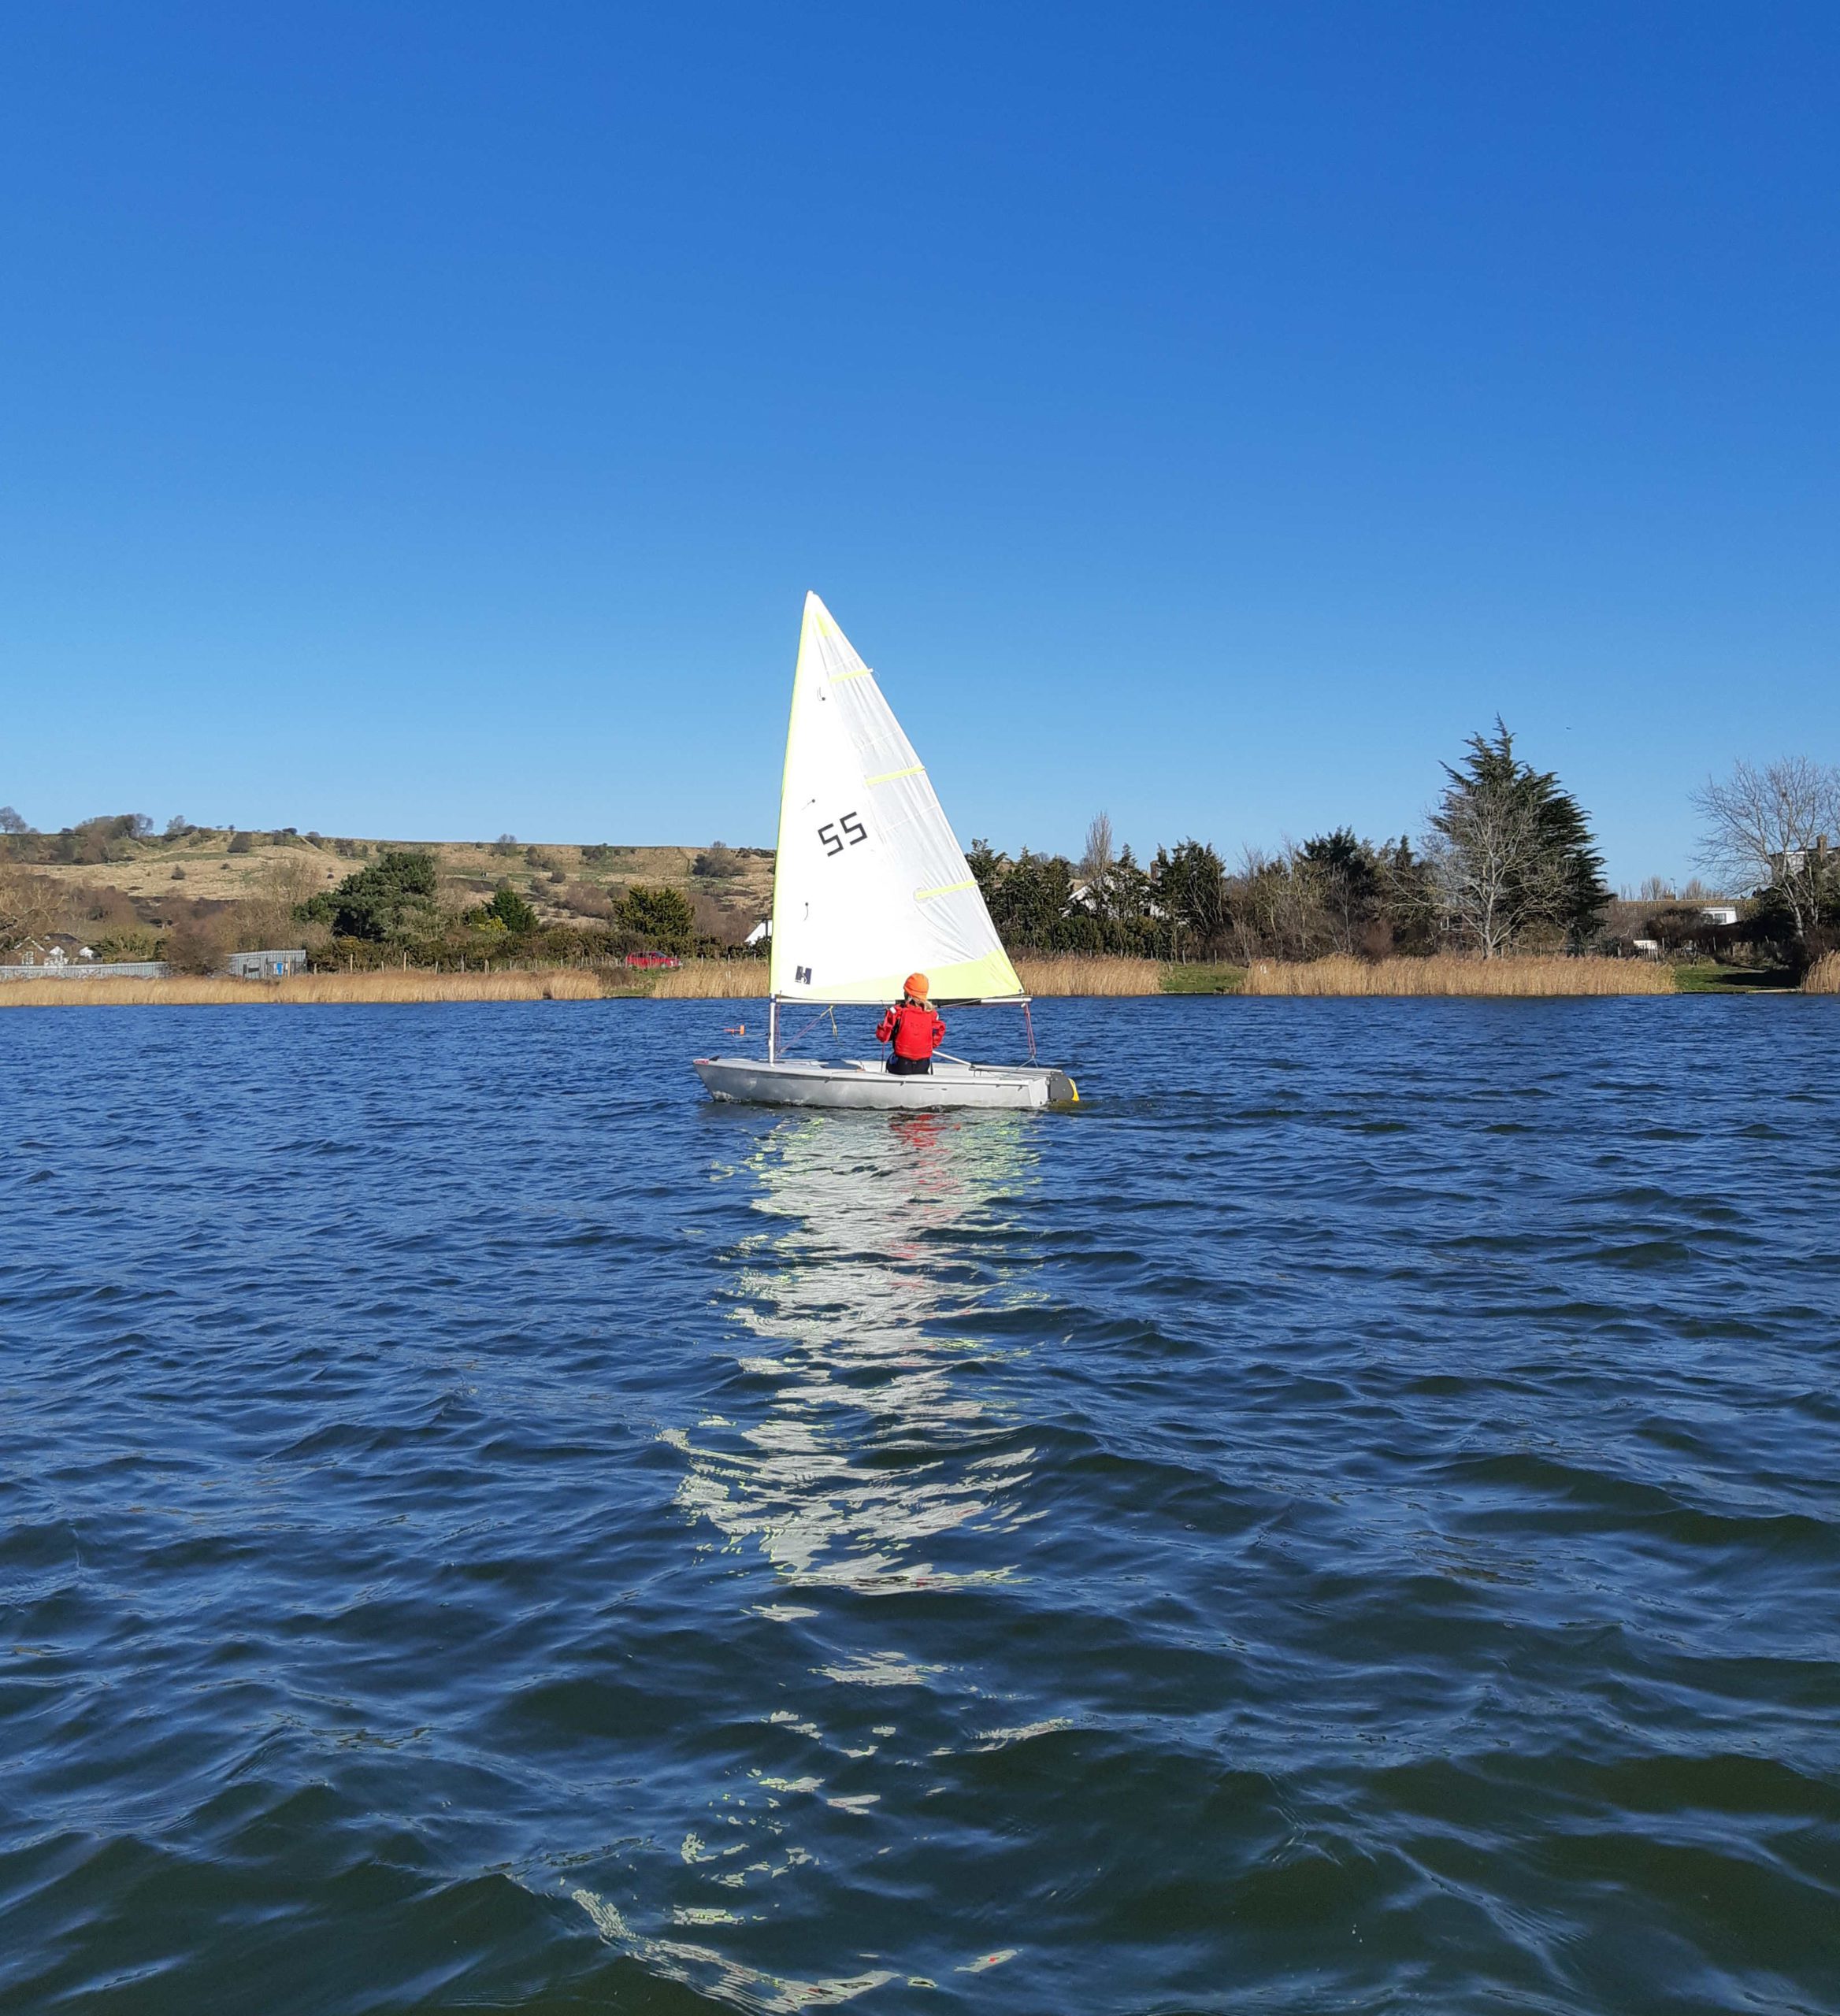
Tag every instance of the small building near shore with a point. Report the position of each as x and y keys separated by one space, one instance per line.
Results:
x=265 y=965
x=77 y=970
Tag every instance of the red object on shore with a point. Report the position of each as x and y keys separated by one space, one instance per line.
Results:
x=917 y=1032
x=652 y=959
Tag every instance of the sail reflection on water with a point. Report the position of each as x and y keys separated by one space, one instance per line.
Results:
x=886 y=1240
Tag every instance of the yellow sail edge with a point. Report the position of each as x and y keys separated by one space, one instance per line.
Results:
x=991 y=979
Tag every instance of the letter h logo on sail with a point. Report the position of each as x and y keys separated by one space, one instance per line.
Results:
x=802 y=976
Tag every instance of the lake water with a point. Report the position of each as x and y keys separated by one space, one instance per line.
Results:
x=1347 y=1520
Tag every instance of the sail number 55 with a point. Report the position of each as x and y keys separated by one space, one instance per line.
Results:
x=846 y=831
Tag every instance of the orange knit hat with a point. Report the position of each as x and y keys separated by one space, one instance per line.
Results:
x=915 y=984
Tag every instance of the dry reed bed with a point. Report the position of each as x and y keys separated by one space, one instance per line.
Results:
x=1823 y=976
x=709 y=979
x=717 y=980
x=1446 y=974
x=561 y=984
x=1071 y=974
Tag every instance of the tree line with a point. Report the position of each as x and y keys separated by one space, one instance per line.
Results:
x=1507 y=863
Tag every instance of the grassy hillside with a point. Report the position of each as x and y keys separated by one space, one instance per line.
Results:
x=116 y=884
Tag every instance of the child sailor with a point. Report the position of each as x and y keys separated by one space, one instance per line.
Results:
x=916 y=1031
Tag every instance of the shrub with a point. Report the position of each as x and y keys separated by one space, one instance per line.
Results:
x=717 y=863
x=661 y=919
x=507 y=911
x=586 y=900
x=241 y=842
x=197 y=944
x=393 y=898
x=127 y=945
x=722 y=921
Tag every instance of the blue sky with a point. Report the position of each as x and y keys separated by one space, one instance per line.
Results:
x=425 y=421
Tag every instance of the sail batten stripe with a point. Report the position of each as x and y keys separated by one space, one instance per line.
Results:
x=945 y=889
x=889 y=776
x=839 y=678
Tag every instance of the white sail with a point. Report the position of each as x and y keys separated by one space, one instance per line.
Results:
x=870 y=884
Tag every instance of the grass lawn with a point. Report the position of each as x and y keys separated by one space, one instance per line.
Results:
x=1710 y=979
x=1202 y=980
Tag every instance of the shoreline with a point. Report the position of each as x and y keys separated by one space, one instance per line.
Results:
x=1436 y=978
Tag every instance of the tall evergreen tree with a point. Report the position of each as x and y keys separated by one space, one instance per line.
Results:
x=1190 y=881
x=1511 y=852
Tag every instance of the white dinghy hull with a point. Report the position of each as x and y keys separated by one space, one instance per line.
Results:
x=865 y=1082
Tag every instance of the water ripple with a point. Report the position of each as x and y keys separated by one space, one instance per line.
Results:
x=1347 y=1519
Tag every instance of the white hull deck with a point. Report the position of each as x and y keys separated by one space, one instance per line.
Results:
x=865 y=1082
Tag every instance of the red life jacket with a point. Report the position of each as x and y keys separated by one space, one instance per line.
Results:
x=917 y=1031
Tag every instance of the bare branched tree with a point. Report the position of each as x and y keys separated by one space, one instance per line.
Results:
x=30 y=905
x=1276 y=908
x=1768 y=828
x=1479 y=853
x=264 y=918
x=1096 y=865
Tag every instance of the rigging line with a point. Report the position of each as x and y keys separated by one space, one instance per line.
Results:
x=813 y=1024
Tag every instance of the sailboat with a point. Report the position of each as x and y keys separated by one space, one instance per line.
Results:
x=869 y=885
